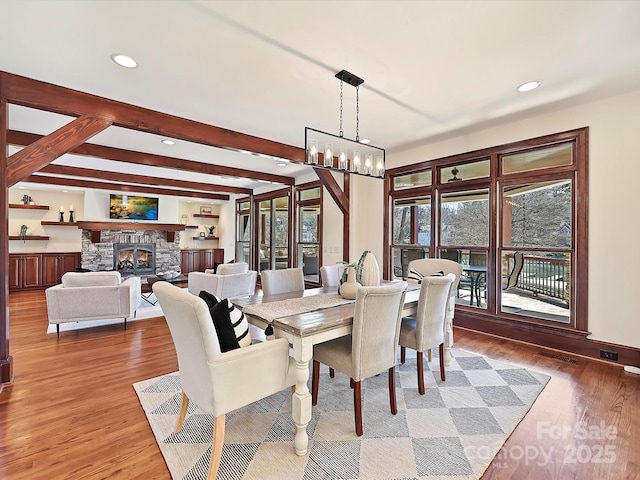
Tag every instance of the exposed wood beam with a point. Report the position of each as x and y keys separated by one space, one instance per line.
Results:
x=334 y=189
x=141 y=179
x=52 y=98
x=121 y=188
x=46 y=149
x=140 y=158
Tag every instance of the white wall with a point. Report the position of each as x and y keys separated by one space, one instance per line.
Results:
x=614 y=225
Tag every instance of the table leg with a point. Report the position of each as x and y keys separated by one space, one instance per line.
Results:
x=301 y=399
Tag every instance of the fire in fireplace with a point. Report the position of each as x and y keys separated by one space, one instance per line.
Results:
x=134 y=258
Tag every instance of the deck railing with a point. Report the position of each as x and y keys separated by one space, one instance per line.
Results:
x=545 y=276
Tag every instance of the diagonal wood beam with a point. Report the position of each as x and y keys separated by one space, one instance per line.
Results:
x=72 y=182
x=53 y=98
x=140 y=158
x=46 y=149
x=334 y=189
x=141 y=179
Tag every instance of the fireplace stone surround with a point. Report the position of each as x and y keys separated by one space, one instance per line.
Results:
x=99 y=256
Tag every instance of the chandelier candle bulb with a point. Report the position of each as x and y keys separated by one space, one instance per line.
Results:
x=313 y=152
x=368 y=161
x=328 y=155
x=342 y=159
x=355 y=163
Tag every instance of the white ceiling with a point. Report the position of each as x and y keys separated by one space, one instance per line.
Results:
x=266 y=68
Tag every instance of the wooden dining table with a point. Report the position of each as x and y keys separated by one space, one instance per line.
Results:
x=303 y=331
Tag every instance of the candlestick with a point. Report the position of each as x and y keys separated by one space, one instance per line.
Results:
x=61 y=219
x=71 y=220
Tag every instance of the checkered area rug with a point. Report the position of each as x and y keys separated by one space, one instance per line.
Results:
x=451 y=432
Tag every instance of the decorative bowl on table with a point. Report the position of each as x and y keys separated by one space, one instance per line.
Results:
x=168 y=275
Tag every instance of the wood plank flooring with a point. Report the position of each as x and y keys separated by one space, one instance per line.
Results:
x=72 y=412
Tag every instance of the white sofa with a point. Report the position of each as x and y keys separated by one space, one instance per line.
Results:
x=92 y=296
x=230 y=280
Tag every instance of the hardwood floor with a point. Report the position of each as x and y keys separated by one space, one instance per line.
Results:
x=72 y=412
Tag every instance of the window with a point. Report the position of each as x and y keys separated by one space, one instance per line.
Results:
x=272 y=231
x=243 y=230
x=309 y=233
x=511 y=218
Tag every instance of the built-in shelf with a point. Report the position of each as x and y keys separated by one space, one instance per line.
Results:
x=204 y=215
x=60 y=224
x=206 y=238
x=96 y=227
x=29 y=207
x=28 y=237
x=191 y=226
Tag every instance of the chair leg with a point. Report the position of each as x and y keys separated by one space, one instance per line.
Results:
x=125 y=323
x=357 y=407
x=58 y=330
x=403 y=355
x=332 y=372
x=429 y=356
x=184 y=403
x=314 y=382
x=441 y=349
x=420 y=370
x=392 y=391
x=216 y=448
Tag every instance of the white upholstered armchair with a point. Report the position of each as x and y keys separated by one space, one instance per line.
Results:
x=218 y=382
x=92 y=296
x=230 y=280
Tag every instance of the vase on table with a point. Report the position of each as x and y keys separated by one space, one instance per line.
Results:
x=369 y=270
x=349 y=288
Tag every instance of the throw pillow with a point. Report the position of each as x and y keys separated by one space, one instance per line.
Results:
x=416 y=276
x=219 y=311
x=240 y=325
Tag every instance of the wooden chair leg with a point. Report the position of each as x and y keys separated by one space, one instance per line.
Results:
x=420 y=370
x=58 y=330
x=184 y=403
x=314 y=382
x=429 y=355
x=125 y=323
x=332 y=372
x=357 y=407
x=441 y=350
x=216 y=448
x=403 y=355
x=392 y=391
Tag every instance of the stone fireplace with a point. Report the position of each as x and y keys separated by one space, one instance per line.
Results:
x=157 y=253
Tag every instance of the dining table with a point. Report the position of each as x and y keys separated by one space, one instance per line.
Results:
x=306 y=318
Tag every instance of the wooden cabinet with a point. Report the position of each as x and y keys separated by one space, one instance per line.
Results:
x=198 y=260
x=30 y=271
x=54 y=265
x=24 y=271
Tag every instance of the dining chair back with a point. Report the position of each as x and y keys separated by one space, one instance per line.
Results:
x=426 y=329
x=372 y=346
x=284 y=280
x=330 y=275
x=218 y=382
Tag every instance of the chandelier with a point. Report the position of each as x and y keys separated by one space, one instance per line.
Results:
x=336 y=152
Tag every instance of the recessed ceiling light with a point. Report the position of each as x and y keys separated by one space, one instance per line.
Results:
x=239 y=179
x=166 y=141
x=21 y=188
x=526 y=87
x=264 y=181
x=65 y=191
x=281 y=164
x=124 y=60
x=365 y=141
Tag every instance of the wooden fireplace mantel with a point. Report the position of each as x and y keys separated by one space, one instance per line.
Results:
x=97 y=227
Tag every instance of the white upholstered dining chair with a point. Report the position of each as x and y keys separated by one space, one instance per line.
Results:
x=429 y=266
x=426 y=330
x=217 y=382
x=330 y=275
x=372 y=346
x=284 y=280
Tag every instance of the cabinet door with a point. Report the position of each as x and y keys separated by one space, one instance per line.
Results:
x=14 y=272
x=207 y=259
x=31 y=271
x=50 y=267
x=197 y=261
x=186 y=259
x=68 y=263
x=218 y=255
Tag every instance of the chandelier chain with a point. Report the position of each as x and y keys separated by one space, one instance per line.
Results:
x=341 y=85
x=358 y=113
